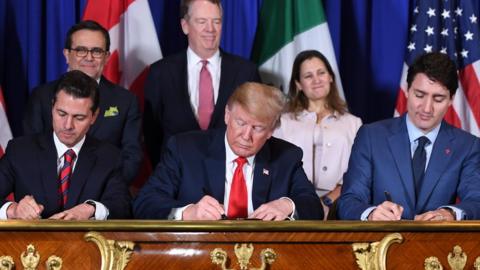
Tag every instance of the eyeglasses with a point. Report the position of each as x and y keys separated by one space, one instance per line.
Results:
x=83 y=51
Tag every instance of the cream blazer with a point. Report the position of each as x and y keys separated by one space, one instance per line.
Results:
x=338 y=134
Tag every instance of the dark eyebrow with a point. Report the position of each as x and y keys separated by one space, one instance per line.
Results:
x=74 y=115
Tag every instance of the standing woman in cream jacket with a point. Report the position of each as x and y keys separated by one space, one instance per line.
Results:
x=318 y=122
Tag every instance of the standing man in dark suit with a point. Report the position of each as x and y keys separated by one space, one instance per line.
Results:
x=65 y=174
x=175 y=99
x=415 y=166
x=119 y=120
x=239 y=172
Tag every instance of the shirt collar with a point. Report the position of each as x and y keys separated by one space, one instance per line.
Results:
x=231 y=156
x=414 y=132
x=62 y=148
x=306 y=113
x=193 y=58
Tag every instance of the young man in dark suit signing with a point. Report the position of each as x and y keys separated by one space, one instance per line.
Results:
x=65 y=174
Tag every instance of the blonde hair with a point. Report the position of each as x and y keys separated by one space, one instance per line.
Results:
x=266 y=103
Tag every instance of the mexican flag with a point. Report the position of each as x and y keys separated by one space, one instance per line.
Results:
x=285 y=28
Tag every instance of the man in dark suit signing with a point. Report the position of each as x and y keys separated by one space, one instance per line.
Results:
x=415 y=166
x=188 y=91
x=65 y=174
x=119 y=120
x=239 y=172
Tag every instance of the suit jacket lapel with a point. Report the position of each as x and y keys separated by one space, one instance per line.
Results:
x=180 y=78
x=226 y=82
x=441 y=154
x=103 y=91
x=400 y=148
x=48 y=166
x=215 y=166
x=85 y=162
x=261 y=177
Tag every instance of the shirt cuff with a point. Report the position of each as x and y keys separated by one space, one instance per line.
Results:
x=101 y=211
x=366 y=213
x=294 y=214
x=459 y=213
x=3 y=211
x=177 y=213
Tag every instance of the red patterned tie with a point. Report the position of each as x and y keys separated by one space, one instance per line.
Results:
x=237 y=203
x=64 y=176
x=205 y=103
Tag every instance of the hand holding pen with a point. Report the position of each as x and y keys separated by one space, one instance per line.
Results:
x=207 y=208
x=388 y=210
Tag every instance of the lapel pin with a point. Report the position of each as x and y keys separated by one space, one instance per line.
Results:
x=266 y=172
x=447 y=151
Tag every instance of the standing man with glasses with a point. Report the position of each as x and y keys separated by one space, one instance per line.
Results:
x=417 y=165
x=119 y=120
x=189 y=90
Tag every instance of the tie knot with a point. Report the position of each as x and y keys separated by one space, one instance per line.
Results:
x=69 y=155
x=241 y=161
x=204 y=63
x=422 y=141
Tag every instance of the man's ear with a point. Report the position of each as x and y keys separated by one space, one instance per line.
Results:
x=227 y=115
x=95 y=115
x=65 y=54
x=184 y=24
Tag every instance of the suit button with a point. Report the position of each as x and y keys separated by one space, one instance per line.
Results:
x=324 y=168
x=329 y=144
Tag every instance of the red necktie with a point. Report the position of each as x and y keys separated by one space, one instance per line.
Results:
x=64 y=176
x=205 y=103
x=238 y=200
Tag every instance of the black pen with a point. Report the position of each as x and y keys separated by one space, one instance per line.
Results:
x=388 y=197
x=205 y=192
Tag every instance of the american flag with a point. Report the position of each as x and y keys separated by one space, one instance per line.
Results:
x=450 y=27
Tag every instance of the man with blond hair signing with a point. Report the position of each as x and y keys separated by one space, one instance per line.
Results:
x=237 y=172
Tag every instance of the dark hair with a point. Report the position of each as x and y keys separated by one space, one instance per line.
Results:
x=437 y=67
x=79 y=85
x=185 y=6
x=297 y=99
x=87 y=25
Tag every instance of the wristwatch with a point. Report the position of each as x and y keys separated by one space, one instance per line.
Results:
x=327 y=201
x=92 y=203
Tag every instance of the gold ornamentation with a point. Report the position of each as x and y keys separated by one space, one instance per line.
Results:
x=30 y=259
x=432 y=263
x=373 y=256
x=243 y=253
x=115 y=254
x=6 y=263
x=476 y=265
x=54 y=263
x=267 y=256
x=457 y=259
x=219 y=257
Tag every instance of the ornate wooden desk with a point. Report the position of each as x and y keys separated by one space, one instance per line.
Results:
x=239 y=245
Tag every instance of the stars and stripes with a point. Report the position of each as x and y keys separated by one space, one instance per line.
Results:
x=450 y=27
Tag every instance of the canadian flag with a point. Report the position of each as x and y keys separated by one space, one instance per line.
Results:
x=5 y=132
x=134 y=47
x=134 y=43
